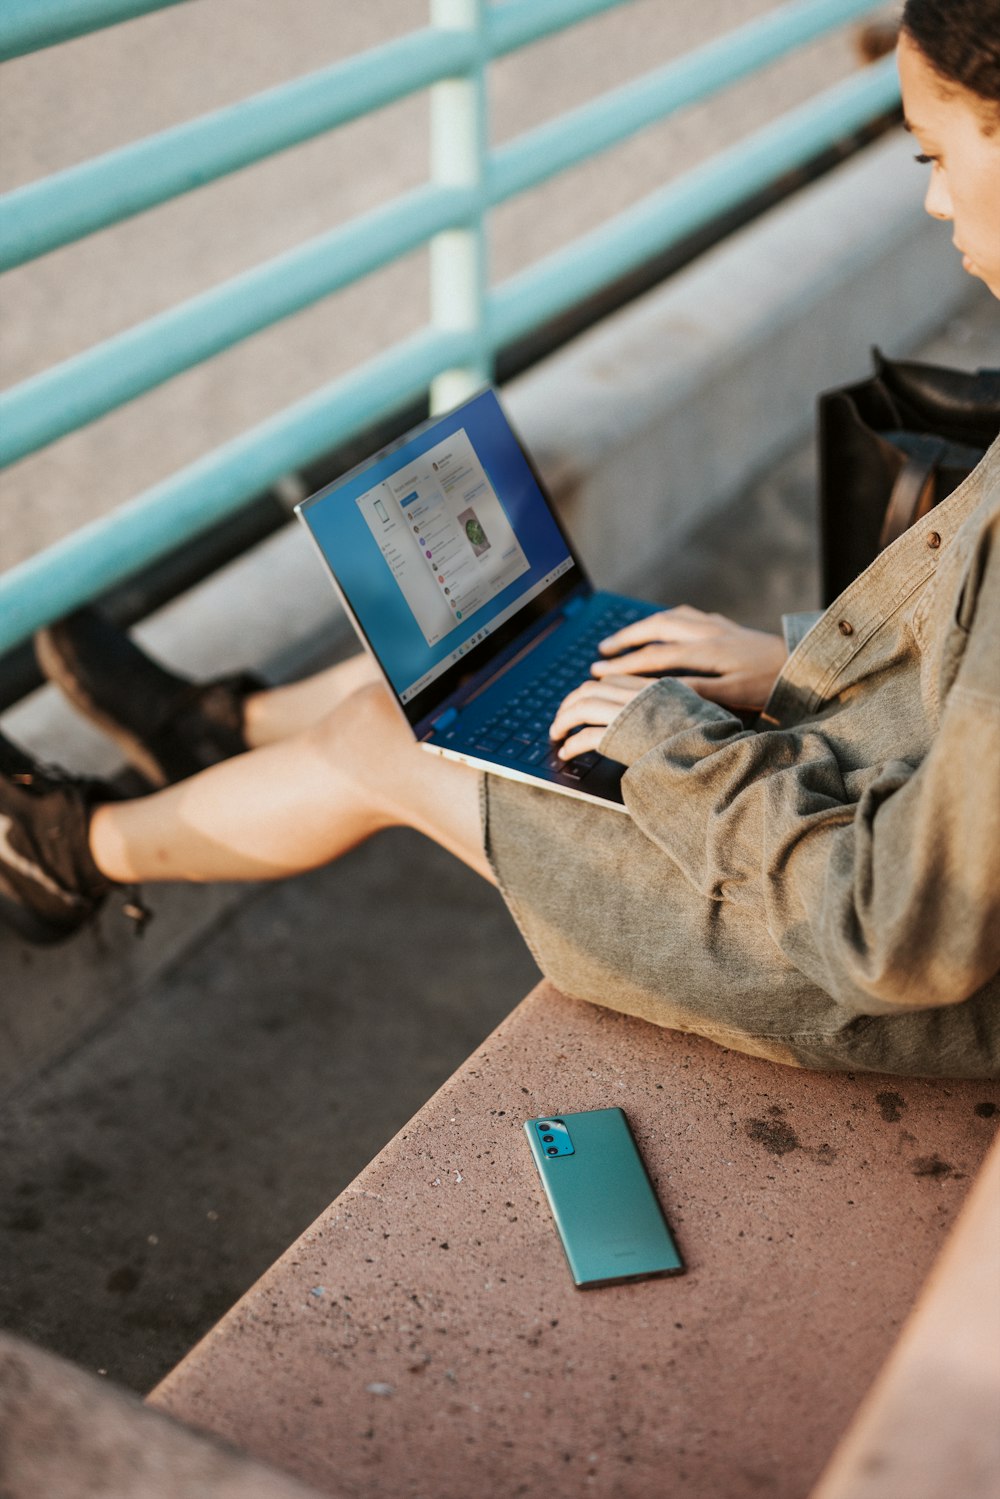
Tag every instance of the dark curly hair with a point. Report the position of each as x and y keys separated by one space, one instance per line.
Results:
x=961 y=41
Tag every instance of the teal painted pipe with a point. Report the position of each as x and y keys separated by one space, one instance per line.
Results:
x=516 y=23
x=68 y=205
x=109 y=550
x=29 y=25
x=81 y=389
x=582 y=133
x=112 y=549
x=71 y=204
x=665 y=217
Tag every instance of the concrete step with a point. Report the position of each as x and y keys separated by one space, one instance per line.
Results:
x=423 y=1336
x=70 y=1435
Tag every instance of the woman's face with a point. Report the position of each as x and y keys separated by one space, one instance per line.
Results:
x=951 y=125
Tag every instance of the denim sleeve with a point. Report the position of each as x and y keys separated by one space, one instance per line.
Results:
x=795 y=627
x=881 y=885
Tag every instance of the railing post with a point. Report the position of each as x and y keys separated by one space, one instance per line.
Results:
x=459 y=147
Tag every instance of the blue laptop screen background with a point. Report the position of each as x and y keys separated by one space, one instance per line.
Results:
x=438 y=541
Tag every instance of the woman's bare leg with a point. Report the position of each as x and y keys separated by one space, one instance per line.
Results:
x=293 y=805
x=277 y=712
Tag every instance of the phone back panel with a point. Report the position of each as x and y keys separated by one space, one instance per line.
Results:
x=611 y=1225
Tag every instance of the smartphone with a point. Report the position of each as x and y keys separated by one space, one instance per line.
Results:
x=609 y=1220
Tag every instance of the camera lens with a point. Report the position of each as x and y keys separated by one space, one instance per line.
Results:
x=552 y=1150
x=548 y=1139
x=543 y=1125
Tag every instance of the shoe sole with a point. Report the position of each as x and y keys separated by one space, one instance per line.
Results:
x=135 y=752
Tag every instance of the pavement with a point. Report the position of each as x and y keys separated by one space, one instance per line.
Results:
x=152 y=1176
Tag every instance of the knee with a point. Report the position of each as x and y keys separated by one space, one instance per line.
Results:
x=362 y=735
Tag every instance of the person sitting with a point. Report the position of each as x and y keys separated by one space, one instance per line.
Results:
x=821 y=888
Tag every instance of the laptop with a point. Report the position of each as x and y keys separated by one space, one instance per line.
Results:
x=461 y=582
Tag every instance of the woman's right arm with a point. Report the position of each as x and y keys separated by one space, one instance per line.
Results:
x=882 y=885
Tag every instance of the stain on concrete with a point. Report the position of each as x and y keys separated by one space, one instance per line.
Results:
x=774 y=1134
x=779 y=1138
x=933 y=1166
x=891 y=1106
x=985 y=1110
x=123 y=1280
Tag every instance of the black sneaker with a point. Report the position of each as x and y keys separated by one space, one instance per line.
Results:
x=49 y=883
x=168 y=727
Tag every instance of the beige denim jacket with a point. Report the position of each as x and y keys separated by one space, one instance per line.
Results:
x=859 y=819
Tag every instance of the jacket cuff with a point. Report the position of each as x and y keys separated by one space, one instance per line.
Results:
x=664 y=708
x=795 y=627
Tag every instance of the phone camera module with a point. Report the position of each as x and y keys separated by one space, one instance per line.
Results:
x=551 y=1136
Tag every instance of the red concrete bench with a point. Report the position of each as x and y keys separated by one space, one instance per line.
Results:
x=424 y=1337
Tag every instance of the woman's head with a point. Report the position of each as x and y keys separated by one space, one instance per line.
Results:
x=949 y=65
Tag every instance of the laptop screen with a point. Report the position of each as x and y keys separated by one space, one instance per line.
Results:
x=438 y=543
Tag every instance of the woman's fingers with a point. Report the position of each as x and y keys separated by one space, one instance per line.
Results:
x=659 y=656
x=594 y=707
x=682 y=623
x=724 y=661
x=651 y=627
x=720 y=660
x=587 y=711
x=582 y=743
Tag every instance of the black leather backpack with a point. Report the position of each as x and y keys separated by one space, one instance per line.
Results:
x=890 y=449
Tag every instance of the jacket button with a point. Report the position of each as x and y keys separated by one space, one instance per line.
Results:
x=933 y=540
x=845 y=627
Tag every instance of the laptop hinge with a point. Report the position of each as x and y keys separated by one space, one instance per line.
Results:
x=573 y=606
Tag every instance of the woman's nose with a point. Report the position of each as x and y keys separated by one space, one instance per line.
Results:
x=938 y=200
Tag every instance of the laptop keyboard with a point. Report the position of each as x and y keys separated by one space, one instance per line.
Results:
x=520 y=730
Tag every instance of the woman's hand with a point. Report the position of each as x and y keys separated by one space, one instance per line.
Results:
x=589 y=709
x=722 y=661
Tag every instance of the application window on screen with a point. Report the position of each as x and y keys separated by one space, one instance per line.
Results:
x=444 y=535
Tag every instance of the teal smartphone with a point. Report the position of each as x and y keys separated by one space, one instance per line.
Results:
x=609 y=1220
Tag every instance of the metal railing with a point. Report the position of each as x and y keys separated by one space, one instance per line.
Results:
x=470 y=321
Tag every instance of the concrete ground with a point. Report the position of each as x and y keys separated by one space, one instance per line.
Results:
x=148 y=1179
